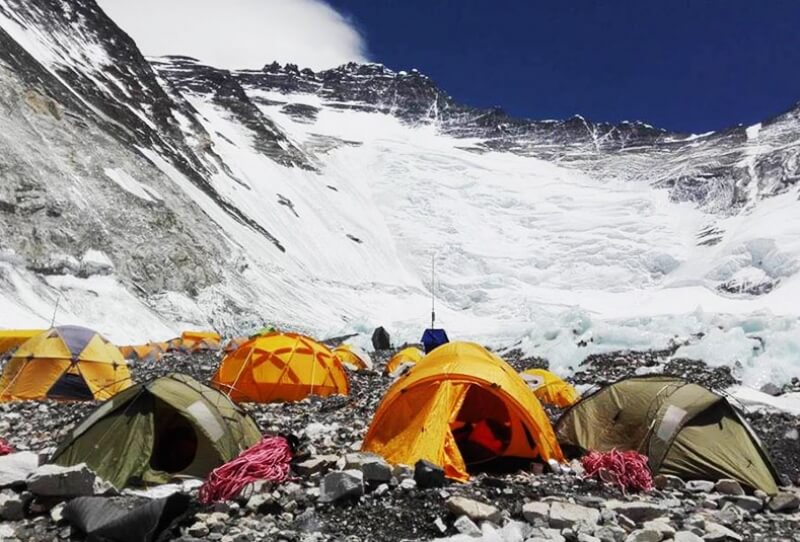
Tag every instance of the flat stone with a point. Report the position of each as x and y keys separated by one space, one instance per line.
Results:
x=533 y=511
x=610 y=533
x=57 y=481
x=719 y=533
x=644 y=535
x=745 y=502
x=198 y=529
x=727 y=486
x=699 y=486
x=638 y=511
x=686 y=536
x=341 y=484
x=661 y=525
x=784 y=502
x=466 y=526
x=374 y=468
x=316 y=464
x=668 y=481
x=474 y=510
x=15 y=468
x=583 y=537
x=428 y=475
x=565 y=515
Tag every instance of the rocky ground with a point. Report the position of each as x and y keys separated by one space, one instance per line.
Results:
x=379 y=502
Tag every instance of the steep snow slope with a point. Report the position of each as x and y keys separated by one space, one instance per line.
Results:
x=142 y=196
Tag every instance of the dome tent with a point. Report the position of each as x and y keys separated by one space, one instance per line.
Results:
x=11 y=339
x=684 y=429
x=549 y=388
x=65 y=363
x=280 y=367
x=152 y=432
x=461 y=407
x=353 y=357
x=407 y=356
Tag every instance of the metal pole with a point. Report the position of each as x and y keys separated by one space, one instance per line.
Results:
x=433 y=291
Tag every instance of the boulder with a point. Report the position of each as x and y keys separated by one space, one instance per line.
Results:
x=316 y=464
x=662 y=526
x=719 y=533
x=428 y=475
x=784 y=502
x=610 y=533
x=745 y=502
x=12 y=506
x=644 y=535
x=686 y=536
x=466 y=526
x=699 y=486
x=668 y=481
x=374 y=468
x=474 y=510
x=15 y=468
x=638 y=511
x=728 y=486
x=341 y=484
x=533 y=511
x=57 y=481
x=565 y=515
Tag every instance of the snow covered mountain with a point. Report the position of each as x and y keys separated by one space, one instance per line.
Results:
x=143 y=195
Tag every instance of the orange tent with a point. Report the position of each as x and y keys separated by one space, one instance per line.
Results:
x=233 y=344
x=143 y=352
x=550 y=389
x=353 y=358
x=461 y=406
x=280 y=367
x=200 y=341
x=411 y=356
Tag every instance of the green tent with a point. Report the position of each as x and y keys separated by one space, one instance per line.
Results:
x=684 y=429
x=150 y=433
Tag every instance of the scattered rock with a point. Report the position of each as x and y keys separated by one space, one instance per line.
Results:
x=661 y=525
x=610 y=533
x=15 y=468
x=668 y=481
x=474 y=510
x=638 y=511
x=534 y=511
x=644 y=535
x=315 y=465
x=564 y=515
x=686 y=536
x=727 y=486
x=717 y=533
x=466 y=526
x=58 y=481
x=374 y=468
x=699 y=486
x=746 y=502
x=784 y=502
x=428 y=475
x=341 y=484
x=12 y=507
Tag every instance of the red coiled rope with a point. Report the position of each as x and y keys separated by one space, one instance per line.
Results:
x=628 y=470
x=267 y=460
x=5 y=447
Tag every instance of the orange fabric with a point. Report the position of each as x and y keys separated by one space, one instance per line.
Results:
x=10 y=339
x=352 y=358
x=280 y=367
x=417 y=415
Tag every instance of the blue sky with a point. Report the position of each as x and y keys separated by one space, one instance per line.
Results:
x=683 y=65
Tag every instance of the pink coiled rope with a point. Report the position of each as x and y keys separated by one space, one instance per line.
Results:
x=268 y=460
x=628 y=470
x=5 y=447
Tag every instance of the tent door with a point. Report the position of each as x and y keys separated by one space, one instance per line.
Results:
x=70 y=386
x=482 y=429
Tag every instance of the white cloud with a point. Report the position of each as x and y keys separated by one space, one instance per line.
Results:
x=241 y=33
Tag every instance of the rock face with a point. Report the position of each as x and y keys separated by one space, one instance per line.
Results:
x=187 y=149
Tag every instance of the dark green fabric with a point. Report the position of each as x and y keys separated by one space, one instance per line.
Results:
x=683 y=428
x=117 y=439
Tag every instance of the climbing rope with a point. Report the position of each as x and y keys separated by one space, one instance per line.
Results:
x=628 y=470
x=5 y=447
x=267 y=460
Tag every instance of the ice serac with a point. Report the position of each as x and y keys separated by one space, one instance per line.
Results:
x=144 y=195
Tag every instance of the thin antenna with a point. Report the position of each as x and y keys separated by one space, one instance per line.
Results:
x=433 y=291
x=55 y=310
